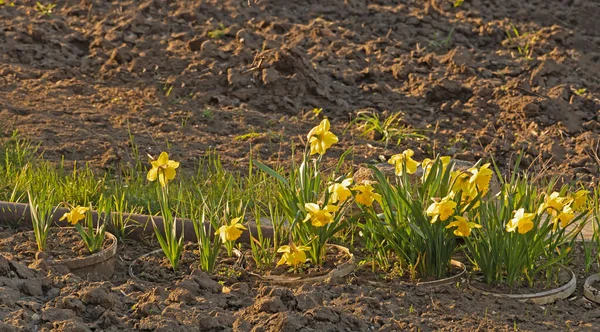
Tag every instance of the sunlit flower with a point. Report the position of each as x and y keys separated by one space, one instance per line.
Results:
x=366 y=195
x=320 y=138
x=522 y=222
x=232 y=231
x=481 y=178
x=564 y=216
x=441 y=210
x=399 y=161
x=319 y=217
x=579 y=200
x=163 y=168
x=340 y=191
x=292 y=255
x=428 y=163
x=461 y=182
x=554 y=202
x=75 y=215
x=463 y=226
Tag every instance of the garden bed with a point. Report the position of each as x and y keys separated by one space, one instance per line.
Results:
x=106 y=83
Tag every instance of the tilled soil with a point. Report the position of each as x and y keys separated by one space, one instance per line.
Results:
x=40 y=298
x=195 y=75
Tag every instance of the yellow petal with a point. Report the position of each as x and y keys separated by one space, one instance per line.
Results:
x=170 y=173
x=163 y=159
x=172 y=164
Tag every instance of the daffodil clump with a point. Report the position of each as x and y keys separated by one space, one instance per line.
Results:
x=313 y=204
x=524 y=231
x=419 y=222
x=170 y=241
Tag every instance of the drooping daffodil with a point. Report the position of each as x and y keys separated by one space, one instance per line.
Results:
x=428 y=163
x=163 y=169
x=404 y=159
x=521 y=222
x=580 y=199
x=293 y=255
x=320 y=138
x=366 y=195
x=463 y=226
x=340 y=192
x=441 y=209
x=319 y=217
x=75 y=215
x=232 y=231
x=481 y=178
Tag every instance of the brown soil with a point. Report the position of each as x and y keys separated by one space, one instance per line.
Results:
x=42 y=299
x=541 y=283
x=198 y=75
x=155 y=267
x=81 y=79
x=61 y=243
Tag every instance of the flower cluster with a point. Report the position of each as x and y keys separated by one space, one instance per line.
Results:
x=466 y=184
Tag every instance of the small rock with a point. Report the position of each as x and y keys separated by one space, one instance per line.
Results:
x=205 y=282
x=22 y=271
x=8 y=296
x=270 y=75
x=33 y=287
x=271 y=305
x=181 y=295
x=97 y=295
x=55 y=314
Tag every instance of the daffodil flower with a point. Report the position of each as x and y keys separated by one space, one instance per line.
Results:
x=441 y=210
x=232 y=231
x=340 y=191
x=579 y=200
x=554 y=202
x=163 y=168
x=399 y=160
x=366 y=196
x=75 y=215
x=292 y=255
x=463 y=226
x=320 y=138
x=522 y=222
x=564 y=216
x=428 y=163
x=461 y=182
x=481 y=178
x=319 y=217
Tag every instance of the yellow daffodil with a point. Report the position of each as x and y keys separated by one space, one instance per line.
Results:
x=554 y=202
x=319 y=217
x=441 y=210
x=75 y=215
x=320 y=138
x=232 y=231
x=428 y=163
x=292 y=255
x=366 y=195
x=461 y=183
x=399 y=160
x=522 y=222
x=564 y=216
x=163 y=169
x=463 y=226
x=481 y=178
x=340 y=191
x=579 y=200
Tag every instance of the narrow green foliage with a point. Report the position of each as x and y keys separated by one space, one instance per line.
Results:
x=42 y=212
